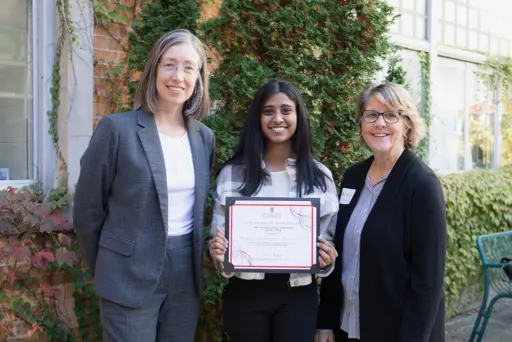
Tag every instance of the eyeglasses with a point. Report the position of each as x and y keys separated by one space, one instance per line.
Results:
x=390 y=117
x=170 y=68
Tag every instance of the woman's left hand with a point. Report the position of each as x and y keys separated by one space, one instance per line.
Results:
x=327 y=252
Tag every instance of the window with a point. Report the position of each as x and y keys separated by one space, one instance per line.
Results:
x=412 y=66
x=448 y=110
x=506 y=133
x=16 y=110
x=477 y=25
x=463 y=108
x=412 y=21
x=481 y=113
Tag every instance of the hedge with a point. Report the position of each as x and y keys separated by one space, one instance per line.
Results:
x=478 y=202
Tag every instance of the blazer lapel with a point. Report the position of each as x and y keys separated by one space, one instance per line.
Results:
x=200 y=161
x=148 y=135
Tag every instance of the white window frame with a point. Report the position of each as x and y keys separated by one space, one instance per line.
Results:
x=43 y=19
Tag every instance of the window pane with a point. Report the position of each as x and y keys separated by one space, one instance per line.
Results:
x=412 y=18
x=407 y=24
x=408 y=5
x=462 y=15
x=473 y=40
x=15 y=95
x=481 y=124
x=484 y=42
x=461 y=37
x=449 y=11
x=447 y=127
x=421 y=6
x=449 y=34
x=473 y=19
x=495 y=46
x=506 y=134
x=420 y=27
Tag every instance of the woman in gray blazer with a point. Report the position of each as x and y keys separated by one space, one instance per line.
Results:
x=141 y=196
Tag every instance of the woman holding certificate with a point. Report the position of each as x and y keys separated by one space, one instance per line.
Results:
x=274 y=159
x=391 y=234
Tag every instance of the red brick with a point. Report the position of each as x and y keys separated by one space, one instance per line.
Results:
x=101 y=42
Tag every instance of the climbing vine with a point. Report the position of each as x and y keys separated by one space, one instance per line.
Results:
x=39 y=256
x=426 y=102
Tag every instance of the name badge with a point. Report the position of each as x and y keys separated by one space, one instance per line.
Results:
x=346 y=195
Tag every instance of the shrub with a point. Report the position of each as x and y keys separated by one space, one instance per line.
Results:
x=477 y=202
x=329 y=48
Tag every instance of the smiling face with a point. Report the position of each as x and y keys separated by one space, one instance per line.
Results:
x=177 y=74
x=381 y=137
x=279 y=119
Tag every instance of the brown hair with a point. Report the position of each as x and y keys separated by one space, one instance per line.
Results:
x=146 y=95
x=395 y=97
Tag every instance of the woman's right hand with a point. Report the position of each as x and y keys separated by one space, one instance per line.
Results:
x=324 y=336
x=218 y=245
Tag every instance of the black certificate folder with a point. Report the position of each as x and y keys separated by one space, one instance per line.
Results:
x=272 y=234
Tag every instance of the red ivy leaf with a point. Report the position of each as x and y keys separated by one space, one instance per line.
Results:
x=48 y=256
x=10 y=273
x=19 y=253
x=37 y=260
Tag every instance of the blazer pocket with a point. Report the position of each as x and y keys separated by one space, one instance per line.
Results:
x=117 y=244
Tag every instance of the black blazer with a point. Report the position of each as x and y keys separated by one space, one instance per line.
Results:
x=402 y=262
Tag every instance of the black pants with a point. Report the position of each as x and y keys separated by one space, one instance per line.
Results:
x=269 y=310
x=341 y=336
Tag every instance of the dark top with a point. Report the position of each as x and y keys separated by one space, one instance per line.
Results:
x=402 y=262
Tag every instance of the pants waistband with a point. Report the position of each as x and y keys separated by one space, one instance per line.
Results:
x=180 y=241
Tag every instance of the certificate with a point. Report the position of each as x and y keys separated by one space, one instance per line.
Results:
x=272 y=235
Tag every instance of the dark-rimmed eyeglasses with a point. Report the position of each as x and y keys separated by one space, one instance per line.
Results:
x=390 y=117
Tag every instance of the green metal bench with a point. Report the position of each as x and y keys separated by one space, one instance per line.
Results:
x=492 y=249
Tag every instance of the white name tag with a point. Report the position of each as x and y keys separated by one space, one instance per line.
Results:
x=346 y=195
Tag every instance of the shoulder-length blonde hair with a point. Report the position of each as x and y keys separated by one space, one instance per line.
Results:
x=396 y=98
x=146 y=95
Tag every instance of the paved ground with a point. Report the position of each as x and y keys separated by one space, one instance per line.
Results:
x=499 y=328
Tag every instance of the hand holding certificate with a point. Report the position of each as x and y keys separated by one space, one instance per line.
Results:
x=272 y=235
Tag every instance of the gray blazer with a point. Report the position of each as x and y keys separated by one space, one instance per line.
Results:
x=120 y=205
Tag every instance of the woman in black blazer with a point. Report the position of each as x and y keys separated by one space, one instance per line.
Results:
x=387 y=285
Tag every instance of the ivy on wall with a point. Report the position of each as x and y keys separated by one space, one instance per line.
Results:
x=39 y=254
x=477 y=202
x=426 y=101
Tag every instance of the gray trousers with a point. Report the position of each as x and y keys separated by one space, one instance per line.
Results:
x=170 y=314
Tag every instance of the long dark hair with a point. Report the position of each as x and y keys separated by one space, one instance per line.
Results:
x=252 y=144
